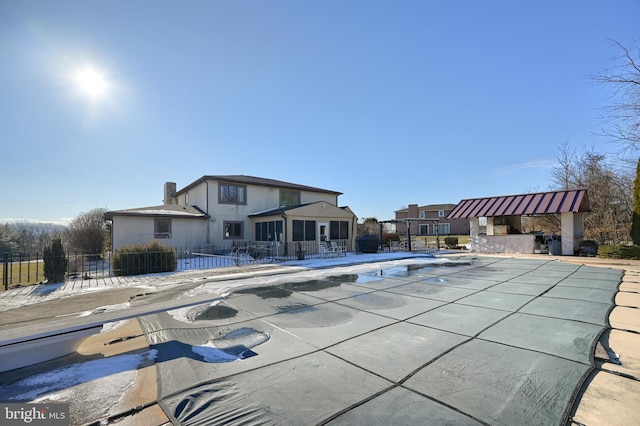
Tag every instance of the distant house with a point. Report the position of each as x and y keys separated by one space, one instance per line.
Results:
x=222 y=211
x=430 y=220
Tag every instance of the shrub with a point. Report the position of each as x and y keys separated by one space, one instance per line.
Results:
x=451 y=242
x=144 y=259
x=620 y=251
x=588 y=248
x=55 y=261
x=388 y=237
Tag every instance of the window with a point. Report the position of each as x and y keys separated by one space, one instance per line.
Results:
x=422 y=214
x=186 y=198
x=339 y=230
x=304 y=230
x=233 y=230
x=289 y=198
x=269 y=231
x=232 y=194
x=161 y=228
x=309 y=230
x=424 y=230
x=443 y=229
x=440 y=213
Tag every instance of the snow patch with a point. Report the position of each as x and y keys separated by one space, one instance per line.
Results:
x=190 y=314
x=233 y=346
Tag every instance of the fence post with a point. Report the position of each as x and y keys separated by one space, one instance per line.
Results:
x=5 y=271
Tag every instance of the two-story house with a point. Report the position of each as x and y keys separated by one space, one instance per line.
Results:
x=430 y=220
x=220 y=211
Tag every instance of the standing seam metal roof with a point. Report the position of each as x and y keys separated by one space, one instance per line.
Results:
x=512 y=205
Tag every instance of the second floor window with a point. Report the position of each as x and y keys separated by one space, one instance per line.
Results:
x=289 y=198
x=232 y=194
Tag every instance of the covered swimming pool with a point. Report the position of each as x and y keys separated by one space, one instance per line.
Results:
x=497 y=341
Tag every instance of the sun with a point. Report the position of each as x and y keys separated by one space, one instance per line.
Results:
x=91 y=82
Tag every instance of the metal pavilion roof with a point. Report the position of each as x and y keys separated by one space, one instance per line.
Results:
x=523 y=204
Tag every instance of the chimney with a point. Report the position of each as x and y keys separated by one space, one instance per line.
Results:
x=413 y=214
x=412 y=211
x=169 y=190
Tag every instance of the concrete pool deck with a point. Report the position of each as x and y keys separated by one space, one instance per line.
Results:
x=611 y=396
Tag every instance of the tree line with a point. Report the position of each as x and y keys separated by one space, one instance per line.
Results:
x=87 y=234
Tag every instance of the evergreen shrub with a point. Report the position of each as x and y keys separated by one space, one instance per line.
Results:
x=144 y=259
x=451 y=242
x=55 y=261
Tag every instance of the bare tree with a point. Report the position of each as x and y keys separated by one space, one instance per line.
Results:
x=609 y=190
x=87 y=233
x=369 y=226
x=26 y=237
x=622 y=116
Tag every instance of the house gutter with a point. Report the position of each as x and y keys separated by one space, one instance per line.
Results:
x=206 y=182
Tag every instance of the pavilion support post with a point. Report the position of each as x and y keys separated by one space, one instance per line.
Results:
x=572 y=232
x=474 y=231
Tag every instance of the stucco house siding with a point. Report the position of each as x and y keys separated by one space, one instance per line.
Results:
x=130 y=230
x=205 y=194
x=321 y=213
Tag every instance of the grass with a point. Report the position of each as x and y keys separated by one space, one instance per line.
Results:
x=462 y=239
x=23 y=273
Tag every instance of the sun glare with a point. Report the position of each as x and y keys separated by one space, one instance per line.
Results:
x=91 y=82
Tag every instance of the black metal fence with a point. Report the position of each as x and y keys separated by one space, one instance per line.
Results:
x=28 y=268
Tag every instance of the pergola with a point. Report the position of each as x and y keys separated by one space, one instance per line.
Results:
x=504 y=214
x=408 y=221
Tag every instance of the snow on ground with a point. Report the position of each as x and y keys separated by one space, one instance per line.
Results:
x=24 y=296
x=101 y=382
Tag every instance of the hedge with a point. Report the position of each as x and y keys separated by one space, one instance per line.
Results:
x=144 y=259
x=620 y=251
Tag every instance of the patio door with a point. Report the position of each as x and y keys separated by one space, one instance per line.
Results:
x=323 y=232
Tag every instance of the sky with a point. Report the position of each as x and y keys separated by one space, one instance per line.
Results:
x=388 y=102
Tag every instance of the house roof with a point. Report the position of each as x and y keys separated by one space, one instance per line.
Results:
x=252 y=180
x=429 y=207
x=171 y=210
x=523 y=204
x=281 y=210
